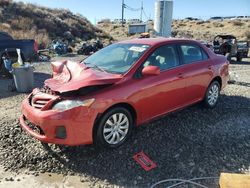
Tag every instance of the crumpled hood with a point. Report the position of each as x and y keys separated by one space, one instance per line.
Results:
x=70 y=76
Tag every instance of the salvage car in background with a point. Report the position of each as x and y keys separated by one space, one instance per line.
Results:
x=126 y=84
x=243 y=48
x=227 y=46
x=28 y=49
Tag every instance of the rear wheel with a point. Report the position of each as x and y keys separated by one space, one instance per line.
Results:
x=212 y=95
x=114 y=128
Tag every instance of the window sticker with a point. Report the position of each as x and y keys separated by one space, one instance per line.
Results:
x=137 y=49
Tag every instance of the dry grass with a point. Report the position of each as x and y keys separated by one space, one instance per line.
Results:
x=200 y=30
x=206 y=30
x=247 y=34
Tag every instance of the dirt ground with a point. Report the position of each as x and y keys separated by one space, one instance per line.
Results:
x=194 y=142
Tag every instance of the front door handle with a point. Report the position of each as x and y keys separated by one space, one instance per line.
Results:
x=180 y=75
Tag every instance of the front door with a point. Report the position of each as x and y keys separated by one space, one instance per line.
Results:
x=162 y=93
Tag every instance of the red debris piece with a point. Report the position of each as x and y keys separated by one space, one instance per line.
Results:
x=145 y=162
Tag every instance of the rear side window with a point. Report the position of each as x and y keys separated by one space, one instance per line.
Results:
x=192 y=53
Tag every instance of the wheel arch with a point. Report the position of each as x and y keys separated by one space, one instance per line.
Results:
x=217 y=78
x=125 y=105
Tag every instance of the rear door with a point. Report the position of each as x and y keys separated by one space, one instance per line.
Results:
x=198 y=71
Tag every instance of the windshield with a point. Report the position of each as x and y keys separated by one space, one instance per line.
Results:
x=116 y=58
x=242 y=44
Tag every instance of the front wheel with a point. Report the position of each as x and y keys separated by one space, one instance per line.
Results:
x=114 y=128
x=212 y=95
x=228 y=56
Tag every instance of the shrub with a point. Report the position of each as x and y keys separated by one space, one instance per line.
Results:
x=247 y=34
x=237 y=23
x=182 y=24
x=217 y=24
x=200 y=22
x=174 y=33
x=115 y=26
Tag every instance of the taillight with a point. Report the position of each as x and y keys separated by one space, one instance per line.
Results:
x=36 y=46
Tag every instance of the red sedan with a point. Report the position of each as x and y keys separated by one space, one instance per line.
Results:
x=126 y=84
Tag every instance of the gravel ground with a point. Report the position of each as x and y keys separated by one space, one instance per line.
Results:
x=194 y=142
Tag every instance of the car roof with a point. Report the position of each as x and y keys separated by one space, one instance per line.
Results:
x=155 y=41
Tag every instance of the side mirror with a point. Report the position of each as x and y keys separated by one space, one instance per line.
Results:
x=151 y=70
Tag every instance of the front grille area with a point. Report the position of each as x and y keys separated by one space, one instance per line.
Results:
x=41 y=100
x=39 y=103
x=33 y=127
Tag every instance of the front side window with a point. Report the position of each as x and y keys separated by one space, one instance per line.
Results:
x=192 y=53
x=116 y=58
x=164 y=57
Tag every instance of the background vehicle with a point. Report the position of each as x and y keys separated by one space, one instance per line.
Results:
x=243 y=48
x=227 y=45
x=60 y=47
x=121 y=86
x=87 y=49
x=28 y=49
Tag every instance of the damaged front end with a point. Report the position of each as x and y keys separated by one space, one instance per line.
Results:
x=70 y=80
x=61 y=110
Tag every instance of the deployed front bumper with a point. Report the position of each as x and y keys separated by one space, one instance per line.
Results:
x=42 y=125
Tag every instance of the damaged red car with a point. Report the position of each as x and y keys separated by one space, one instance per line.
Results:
x=101 y=99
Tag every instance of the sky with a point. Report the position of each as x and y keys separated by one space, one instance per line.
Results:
x=95 y=10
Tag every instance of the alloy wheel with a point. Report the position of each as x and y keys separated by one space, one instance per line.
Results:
x=213 y=94
x=116 y=128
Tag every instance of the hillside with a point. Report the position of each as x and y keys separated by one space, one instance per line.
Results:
x=25 y=21
x=196 y=29
x=206 y=30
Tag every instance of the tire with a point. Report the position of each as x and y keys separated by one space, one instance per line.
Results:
x=4 y=71
x=228 y=56
x=239 y=58
x=212 y=95
x=109 y=132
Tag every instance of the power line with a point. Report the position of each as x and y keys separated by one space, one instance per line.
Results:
x=130 y=8
x=145 y=15
x=125 y=6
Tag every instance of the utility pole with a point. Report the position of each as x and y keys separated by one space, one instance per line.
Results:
x=141 y=10
x=123 y=6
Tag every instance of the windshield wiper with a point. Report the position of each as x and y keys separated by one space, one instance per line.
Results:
x=92 y=65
